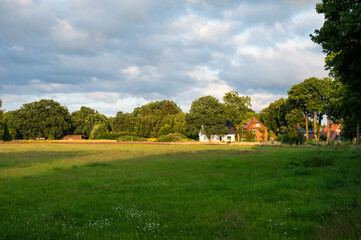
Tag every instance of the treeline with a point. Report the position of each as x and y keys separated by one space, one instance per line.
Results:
x=308 y=103
x=50 y=120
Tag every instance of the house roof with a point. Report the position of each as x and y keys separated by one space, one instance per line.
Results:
x=251 y=124
x=334 y=127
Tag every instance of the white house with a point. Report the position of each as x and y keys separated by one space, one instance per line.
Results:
x=229 y=136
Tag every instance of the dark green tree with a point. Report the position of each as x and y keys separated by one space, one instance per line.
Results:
x=307 y=96
x=340 y=38
x=121 y=122
x=236 y=108
x=274 y=116
x=207 y=112
x=44 y=118
x=84 y=120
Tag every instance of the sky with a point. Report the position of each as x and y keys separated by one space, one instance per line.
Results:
x=117 y=55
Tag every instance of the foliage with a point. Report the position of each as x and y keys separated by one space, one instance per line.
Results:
x=40 y=119
x=84 y=120
x=340 y=38
x=131 y=138
x=236 y=108
x=274 y=116
x=290 y=137
x=121 y=122
x=250 y=136
x=99 y=131
x=206 y=113
x=159 y=117
x=172 y=138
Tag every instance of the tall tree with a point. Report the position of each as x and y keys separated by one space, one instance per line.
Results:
x=307 y=96
x=121 y=122
x=274 y=116
x=43 y=118
x=333 y=97
x=206 y=112
x=79 y=121
x=340 y=38
x=235 y=108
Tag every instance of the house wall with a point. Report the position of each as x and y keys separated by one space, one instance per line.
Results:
x=229 y=138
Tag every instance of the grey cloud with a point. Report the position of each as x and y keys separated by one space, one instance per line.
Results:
x=147 y=49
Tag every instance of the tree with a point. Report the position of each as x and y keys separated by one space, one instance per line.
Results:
x=340 y=38
x=152 y=118
x=44 y=118
x=4 y=131
x=121 y=122
x=274 y=116
x=207 y=113
x=236 y=108
x=78 y=120
x=332 y=96
x=307 y=96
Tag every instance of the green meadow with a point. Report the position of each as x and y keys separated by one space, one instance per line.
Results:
x=125 y=191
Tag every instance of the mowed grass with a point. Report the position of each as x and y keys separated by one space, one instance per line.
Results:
x=115 y=191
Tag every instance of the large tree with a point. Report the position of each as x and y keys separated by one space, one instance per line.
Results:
x=274 y=116
x=307 y=96
x=157 y=118
x=206 y=112
x=44 y=118
x=236 y=108
x=332 y=92
x=340 y=38
x=85 y=119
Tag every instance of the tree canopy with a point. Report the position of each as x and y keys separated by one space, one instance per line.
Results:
x=340 y=38
x=207 y=112
x=44 y=118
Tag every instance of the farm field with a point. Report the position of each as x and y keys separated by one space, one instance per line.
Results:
x=126 y=191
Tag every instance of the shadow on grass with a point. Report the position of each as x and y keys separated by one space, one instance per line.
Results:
x=30 y=163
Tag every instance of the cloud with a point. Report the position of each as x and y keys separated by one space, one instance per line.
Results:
x=115 y=55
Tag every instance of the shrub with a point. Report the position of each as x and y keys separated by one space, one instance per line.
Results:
x=130 y=138
x=250 y=136
x=181 y=136
x=51 y=137
x=289 y=138
x=98 y=131
x=171 y=138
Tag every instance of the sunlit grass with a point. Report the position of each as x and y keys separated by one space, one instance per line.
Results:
x=114 y=191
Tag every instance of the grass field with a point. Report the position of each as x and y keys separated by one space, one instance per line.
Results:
x=116 y=191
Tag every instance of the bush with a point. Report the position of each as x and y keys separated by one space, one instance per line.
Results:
x=98 y=131
x=181 y=136
x=130 y=138
x=250 y=136
x=51 y=137
x=172 y=138
x=289 y=138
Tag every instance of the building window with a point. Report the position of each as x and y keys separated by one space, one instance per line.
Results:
x=257 y=124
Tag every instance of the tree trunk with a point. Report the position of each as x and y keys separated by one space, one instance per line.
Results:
x=328 y=128
x=306 y=122
x=318 y=127
x=238 y=132
x=315 y=125
x=358 y=133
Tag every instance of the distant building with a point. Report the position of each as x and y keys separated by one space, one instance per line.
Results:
x=335 y=132
x=257 y=128
x=229 y=136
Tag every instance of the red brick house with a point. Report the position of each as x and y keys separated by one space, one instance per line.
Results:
x=257 y=128
x=335 y=132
